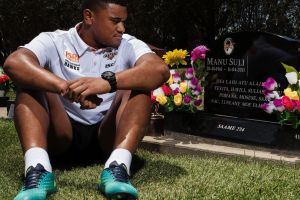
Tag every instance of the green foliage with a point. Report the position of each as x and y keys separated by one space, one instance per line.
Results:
x=289 y=68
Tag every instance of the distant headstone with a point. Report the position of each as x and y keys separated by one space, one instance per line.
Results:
x=238 y=64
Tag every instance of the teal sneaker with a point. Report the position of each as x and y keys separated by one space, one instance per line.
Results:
x=37 y=185
x=115 y=184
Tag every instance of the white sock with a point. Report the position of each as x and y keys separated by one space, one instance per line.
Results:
x=36 y=155
x=121 y=156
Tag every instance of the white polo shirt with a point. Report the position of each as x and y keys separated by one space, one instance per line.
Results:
x=65 y=54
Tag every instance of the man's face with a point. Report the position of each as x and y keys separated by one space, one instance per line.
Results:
x=108 y=25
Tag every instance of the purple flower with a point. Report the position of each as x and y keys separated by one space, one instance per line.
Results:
x=270 y=84
x=278 y=105
x=176 y=91
x=268 y=107
x=197 y=102
x=189 y=73
x=199 y=52
x=176 y=77
x=197 y=90
x=193 y=82
x=187 y=99
x=269 y=95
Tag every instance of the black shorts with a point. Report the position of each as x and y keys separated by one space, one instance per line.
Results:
x=84 y=146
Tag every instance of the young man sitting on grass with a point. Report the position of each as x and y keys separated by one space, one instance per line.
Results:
x=84 y=91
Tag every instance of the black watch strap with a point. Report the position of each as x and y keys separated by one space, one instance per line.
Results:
x=111 y=78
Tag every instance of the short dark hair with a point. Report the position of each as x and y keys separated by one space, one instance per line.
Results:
x=95 y=4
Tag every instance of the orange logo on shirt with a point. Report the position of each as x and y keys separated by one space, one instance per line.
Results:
x=72 y=57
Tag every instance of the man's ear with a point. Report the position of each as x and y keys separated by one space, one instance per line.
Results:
x=88 y=16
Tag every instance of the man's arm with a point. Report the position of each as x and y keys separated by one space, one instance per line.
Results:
x=149 y=73
x=22 y=66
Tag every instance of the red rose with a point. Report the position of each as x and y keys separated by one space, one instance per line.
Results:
x=3 y=78
x=166 y=90
x=153 y=98
x=288 y=103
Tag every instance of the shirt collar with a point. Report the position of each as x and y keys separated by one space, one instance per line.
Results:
x=80 y=45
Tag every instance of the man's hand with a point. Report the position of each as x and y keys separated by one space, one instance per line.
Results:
x=62 y=87
x=85 y=90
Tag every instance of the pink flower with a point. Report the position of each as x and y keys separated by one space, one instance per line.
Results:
x=268 y=107
x=270 y=84
x=189 y=73
x=278 y=105
x=199 y=52
x=176 y=77
x=298 y=105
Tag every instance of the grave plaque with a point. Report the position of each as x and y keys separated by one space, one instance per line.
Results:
x=238 y=64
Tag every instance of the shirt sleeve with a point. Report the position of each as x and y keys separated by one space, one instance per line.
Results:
x=42 y=47
x=135 y=49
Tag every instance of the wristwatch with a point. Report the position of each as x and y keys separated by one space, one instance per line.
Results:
x=111 y=78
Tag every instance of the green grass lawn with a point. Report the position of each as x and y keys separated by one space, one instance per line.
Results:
x=161 y=177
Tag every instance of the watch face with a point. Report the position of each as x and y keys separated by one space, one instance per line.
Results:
x=110 y=77
x=108 y=74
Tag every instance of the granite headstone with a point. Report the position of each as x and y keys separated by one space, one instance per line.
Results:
x=238 y=64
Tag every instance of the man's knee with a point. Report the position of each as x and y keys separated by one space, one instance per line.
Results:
x=29 y=100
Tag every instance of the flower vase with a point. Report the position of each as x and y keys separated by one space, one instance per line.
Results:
x=156 y=126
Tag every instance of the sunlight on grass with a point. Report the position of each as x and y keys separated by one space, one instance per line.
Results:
x=161 y=177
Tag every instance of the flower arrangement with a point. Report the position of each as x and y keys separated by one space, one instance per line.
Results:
x=286 y=105
x=4 y=80
x=184 y=91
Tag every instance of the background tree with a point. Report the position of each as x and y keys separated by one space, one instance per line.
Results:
x=164 y=23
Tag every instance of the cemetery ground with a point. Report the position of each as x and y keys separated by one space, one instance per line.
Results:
x=161 y=176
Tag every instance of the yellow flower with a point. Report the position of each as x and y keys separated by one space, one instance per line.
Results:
x=176 y=57
x=178 y=99
x=183 y=87
x=293 y=95
x=161 y=99
x=170 y=81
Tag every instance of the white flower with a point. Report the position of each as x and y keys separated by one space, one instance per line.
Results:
x=292 y=77
x=174 y=86
x=271 y=95
x=172 y=71
x=276 y=95
x=158 y=91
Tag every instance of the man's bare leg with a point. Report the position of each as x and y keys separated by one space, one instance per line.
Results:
x=35 y=112
x=120 y=133
x=125 y=123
